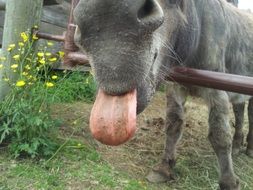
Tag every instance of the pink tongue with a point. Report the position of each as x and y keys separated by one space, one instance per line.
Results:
x=113 y=118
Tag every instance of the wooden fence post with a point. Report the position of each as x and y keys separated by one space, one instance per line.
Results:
x=20 y=16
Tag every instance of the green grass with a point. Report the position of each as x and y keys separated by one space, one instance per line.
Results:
x=81 y=167
x=76 y=166
x=73 y=86
x=81 y=164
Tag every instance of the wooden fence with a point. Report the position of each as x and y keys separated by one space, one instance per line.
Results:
x=54 y=17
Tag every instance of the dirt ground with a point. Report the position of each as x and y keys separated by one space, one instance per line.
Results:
x=140 y=154
x=145 y=150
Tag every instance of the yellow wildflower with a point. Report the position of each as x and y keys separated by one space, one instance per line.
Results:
x=16 y=57
x=20 y=83
x=50 y=43
x=2 y=58
x=48 y=54
x=24 y=36
x=21 y=44
x=14 y=70
x=11 y=47
x=14 y=66
x=35 y=37
x=40 y=54
x=42 y=61
x=53 y=59
x=1 y=66
x=54 y=77
x=30 y=83
x=49 y=84
x=24 y=73
x=35 y=27
x=61 y=54
x=30 y=76
x=28 y=67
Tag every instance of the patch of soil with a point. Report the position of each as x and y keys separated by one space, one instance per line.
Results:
x=145 y=149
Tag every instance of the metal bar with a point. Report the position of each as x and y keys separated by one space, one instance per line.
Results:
x=73 y=6
x=76 y=58
x=46 y=36
x=69 y=44
x=210 y=79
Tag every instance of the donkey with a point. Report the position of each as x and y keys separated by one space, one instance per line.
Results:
x=132 y=44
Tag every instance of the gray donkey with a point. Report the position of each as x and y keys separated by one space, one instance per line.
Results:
x=132 y=44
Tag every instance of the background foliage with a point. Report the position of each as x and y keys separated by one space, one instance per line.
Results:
x=26 y=125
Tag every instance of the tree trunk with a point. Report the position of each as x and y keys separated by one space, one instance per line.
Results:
x=20 y=16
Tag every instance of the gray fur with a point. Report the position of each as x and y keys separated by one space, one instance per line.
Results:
x=235 y=2
x=134 y=43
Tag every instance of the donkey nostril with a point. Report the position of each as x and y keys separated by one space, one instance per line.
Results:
x=151 y=14
x=146 y=10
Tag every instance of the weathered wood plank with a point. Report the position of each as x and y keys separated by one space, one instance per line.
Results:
x=52 y=29
x=54 y=19
x=45 y=3
x=56 y=15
